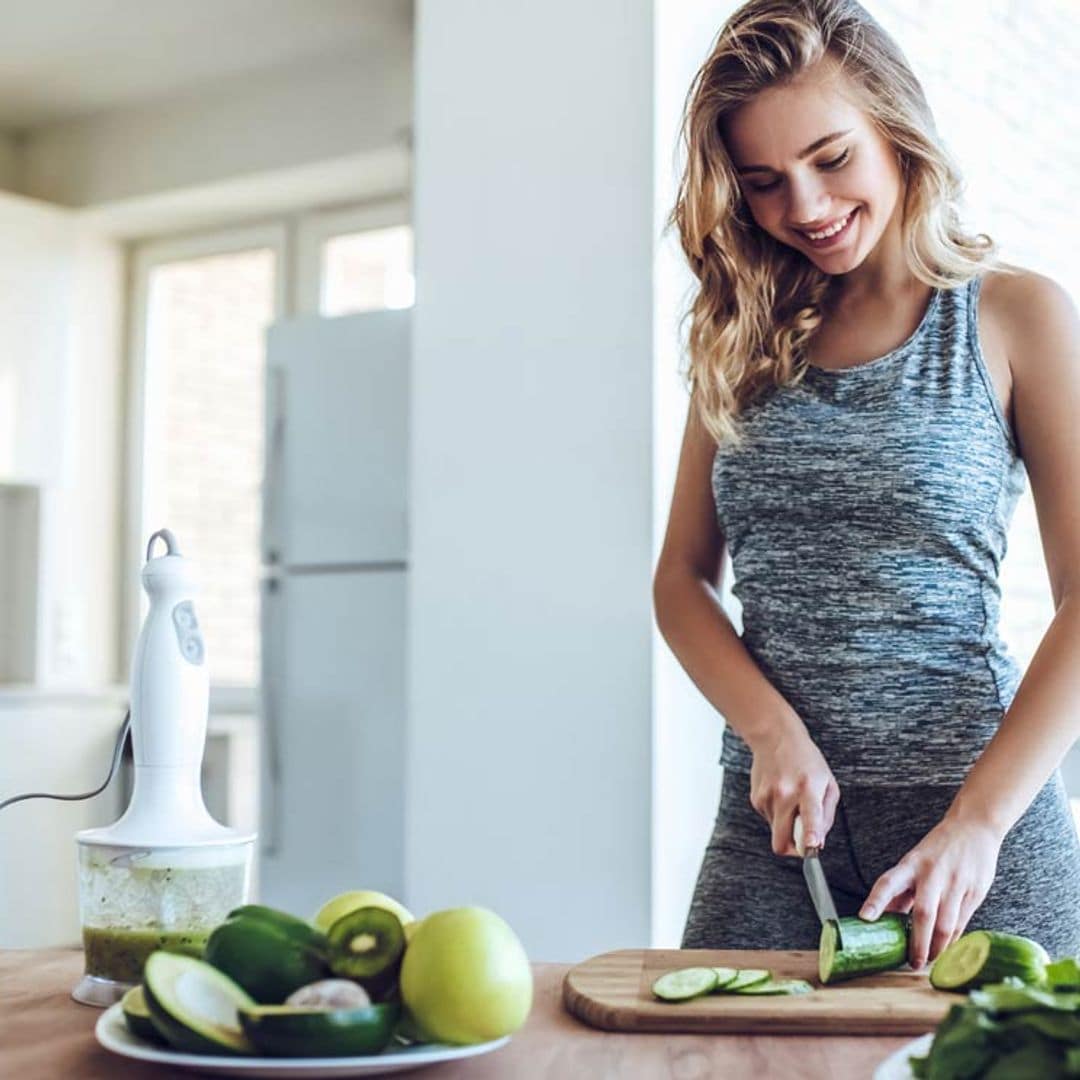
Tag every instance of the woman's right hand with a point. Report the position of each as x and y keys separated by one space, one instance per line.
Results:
x=790 y=776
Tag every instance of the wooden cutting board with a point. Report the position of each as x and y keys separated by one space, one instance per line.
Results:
x=614 y=992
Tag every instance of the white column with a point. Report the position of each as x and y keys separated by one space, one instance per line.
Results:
x=529 y=763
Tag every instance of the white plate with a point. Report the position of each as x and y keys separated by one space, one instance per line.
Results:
x=896 y=1067
x=113 y=1034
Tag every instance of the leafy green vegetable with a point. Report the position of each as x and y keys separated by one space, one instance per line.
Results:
x=1063 y=974
x=1010 y=1031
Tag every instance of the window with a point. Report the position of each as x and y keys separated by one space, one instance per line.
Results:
x=200 y=308
x=359 y=259
x=365 y=271
x=204 y=311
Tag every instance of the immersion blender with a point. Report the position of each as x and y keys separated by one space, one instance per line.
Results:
x=166 y=872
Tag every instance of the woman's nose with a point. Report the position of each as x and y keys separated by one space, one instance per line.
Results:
x=809 y=202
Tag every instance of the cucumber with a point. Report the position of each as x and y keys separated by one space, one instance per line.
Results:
x=746 y=978
x=725 y=977
x=778 y=986
x=868 y=947
x=987 y=956
x=685 y=983
x=1063 y=974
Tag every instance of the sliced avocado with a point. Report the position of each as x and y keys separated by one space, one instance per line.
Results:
x=194 y=1006
x=292 y=1031
x=137 y=1016
x=366 y=944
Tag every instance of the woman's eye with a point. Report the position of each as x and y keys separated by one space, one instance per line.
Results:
x=836 y=163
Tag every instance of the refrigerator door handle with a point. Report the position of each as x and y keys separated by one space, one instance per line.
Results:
x=270 y=691
x=272 y=465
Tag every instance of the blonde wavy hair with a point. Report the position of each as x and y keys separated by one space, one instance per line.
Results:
x=759 y=301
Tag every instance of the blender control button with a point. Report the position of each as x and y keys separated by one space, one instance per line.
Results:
x=184 y=616
x=192 y=648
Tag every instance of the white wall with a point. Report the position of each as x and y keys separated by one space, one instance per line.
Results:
x=285 y=118
x=531 y=525
x=60 y=365
x=36 y=245
x=83 y=647
x=56 y=744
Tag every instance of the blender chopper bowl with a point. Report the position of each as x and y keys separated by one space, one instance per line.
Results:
x=166 y=873
x=133 y=900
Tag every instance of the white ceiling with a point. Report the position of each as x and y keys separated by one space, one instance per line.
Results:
x=66 y=58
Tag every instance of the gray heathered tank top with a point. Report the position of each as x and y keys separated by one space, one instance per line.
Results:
x=866 y=516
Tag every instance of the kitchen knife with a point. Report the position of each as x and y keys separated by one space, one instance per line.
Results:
x=815 y=879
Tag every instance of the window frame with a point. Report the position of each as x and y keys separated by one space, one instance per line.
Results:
x=315 y=228
x=142 y=258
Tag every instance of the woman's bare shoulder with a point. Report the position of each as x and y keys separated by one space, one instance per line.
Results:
x=1011 y=299
x=1010 y=287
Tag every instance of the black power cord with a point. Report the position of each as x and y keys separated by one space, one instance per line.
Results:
x=89 y=794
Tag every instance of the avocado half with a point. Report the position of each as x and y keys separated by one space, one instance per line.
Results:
x=194 y=1006
x=297 y=1031
x=137 y=1016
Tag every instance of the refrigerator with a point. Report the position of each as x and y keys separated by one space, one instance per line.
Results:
x=334 y=544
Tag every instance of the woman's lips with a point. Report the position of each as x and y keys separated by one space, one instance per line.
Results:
x=829 y=241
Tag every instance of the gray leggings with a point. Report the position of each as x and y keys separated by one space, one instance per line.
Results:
x=748 y=898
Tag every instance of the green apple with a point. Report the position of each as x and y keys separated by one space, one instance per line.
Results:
x=465 y=976
x=340 y=905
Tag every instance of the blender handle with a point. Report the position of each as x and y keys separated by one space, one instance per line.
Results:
x=268 y=704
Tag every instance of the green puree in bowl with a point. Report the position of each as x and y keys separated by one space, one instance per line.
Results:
x=119 y=954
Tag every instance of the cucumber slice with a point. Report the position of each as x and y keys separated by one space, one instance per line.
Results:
x=747 y=977
x=778 y=986
x=725 y=977
x=868 y=947
x=685 y=983
x=988 y=956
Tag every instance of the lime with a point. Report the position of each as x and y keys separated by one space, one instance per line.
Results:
x=342 y=904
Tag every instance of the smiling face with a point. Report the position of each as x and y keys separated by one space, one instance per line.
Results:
x=806 y=183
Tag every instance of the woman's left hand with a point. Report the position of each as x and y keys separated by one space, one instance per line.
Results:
x=941 y=881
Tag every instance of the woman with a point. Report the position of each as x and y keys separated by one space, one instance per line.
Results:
x=869 y=384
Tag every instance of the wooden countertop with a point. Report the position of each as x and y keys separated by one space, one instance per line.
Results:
x=44 y=1035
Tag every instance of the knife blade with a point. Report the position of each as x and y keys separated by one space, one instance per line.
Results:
x=816 y=882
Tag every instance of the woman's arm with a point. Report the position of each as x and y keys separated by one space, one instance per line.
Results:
x=945 y=878
x=792 y=775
